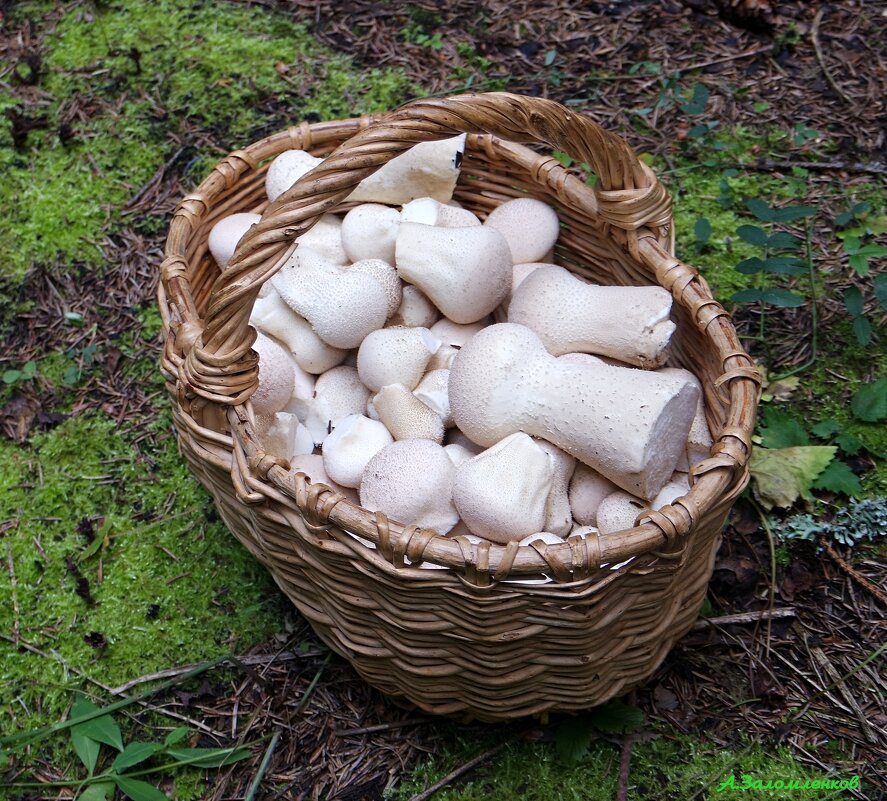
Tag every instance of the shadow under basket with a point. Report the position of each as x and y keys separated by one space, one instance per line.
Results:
x=502 y=631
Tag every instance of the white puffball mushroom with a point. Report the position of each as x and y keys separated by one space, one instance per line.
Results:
x=521 y=271
x=558 y=517
x=411 y=481
x=451 y=333
x=587 y=489
x=465 y=272
x=459 y=453
x=276 y=377
x=530 y=227
x=428 y=211
x=678 y=487
x=338 y=393
x=433 y=390
x=387 y=277
x=311 y=465
x=286 y=169
x=325 y=238
x=415 y=310
x=342 y=306
x=456 y=437
x=405 y=416
x=429 y=169
x=628 y=323
x=699 y=440
x=443 y=358
x=226 y=233
x=303 y=391
x=273 y=317
x=618 y=512
x=502 y=492
x=283 y=436
x=395 y=356
x=629 y=425
x=353 y=442
x=369 y=232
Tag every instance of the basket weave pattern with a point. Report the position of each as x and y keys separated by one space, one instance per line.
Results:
x=486 y=638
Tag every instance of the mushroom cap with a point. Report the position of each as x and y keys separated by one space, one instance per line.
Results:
x=276 y=377
x=283 y=436
x=369 y=232
x=407 y=417
x=433 y=390
x=415 y=310
x=618 y=512
x=325 y=238
x=411 y=481
x=428 y=211
x=558 y=517
x=587 y=489
x=530 y=227
x=286 y=169
x=226 y=233
x=450 y=333
x=311 y=465
x=387 y=277
x=338 y=393
x=521 y=271
x=395 y=356
x=459 y=453
x=352 y=443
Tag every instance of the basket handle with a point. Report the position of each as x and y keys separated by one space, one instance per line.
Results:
x=221 y=366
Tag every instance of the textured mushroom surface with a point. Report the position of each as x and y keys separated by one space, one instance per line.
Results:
x=226 y=233
x=350 y=445
x=396 y=355
x=338 y=393
x=386 y=275
x=286 y=169
x=530 y=227
x=369 y=232
x=276 y=377
x=415 y=310
x=405 y=416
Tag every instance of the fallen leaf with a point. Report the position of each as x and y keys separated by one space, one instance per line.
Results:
x=782 y=475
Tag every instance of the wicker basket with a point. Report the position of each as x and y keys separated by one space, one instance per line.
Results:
x=504 y=631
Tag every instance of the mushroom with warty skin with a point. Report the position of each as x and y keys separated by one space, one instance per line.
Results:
x=411 y=481
x=521 y=271
x=226 y=233
x=275 y=318
x=369 y=232
x=415 y=310
x=311 y=464
x=325 y=238
x=587 y=489
x=342 y=306
x=276 y=377
x=530 y=227
x=350 y=446
x=395 y=356
x=629 y=425
x=387 y=277
x=558 y=517
x=465 y=272
x=303 y=391
x=338 y=393
x=428 y=211
x=619 y=510
x=405 y=416
x=283 y=435
x=452 y=336
x=628 y=323
x=699 y=440
x=286 y=169
x=501 y=494
x=434 y=391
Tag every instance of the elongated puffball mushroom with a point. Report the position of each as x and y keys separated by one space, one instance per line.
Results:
x=338 y=393
x=415 y=310
x=521 y=271
x=272 y=316
x=226 y=233
x=369 y=232
x=530 y=227
x=629 y=425
x=286 y=169
x=699 y=440
x=276 y=377
x=342 y=306
x=395 y=356
x=587 y=489
x=558 y=517
x=502 y=492
x=429 y=169
x=312 y=466
x=386 y=275
x=466 y=272
x=411 y=482
x=628 y=323
x=405 y=416
x=353 y=442
x=428 y=211
x=433 y=391
x=283 y=436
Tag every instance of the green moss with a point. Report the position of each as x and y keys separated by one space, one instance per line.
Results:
x=120 y=542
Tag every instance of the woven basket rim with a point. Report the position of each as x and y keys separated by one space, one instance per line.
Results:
x=269 y=244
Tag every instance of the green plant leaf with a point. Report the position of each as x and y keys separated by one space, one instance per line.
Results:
x=778 y=430
x=783 y=475
x=873 y=250
x=702 y=230
x=881 y=289
x=133 y=754
x=761 y=106
x=208 y=757
x=760 y=209
x=859 y=264
x=750 y=266
x=698 y=101
x=747 y=296
x=783 y=265
x=869 y=403
x=550 y=56
x=782 y=297
x=782 y=241
x=753 y=235
x=615 y=718
x=853 y=301
x=139 y=791
x=572 y=739
x=101 y=729
x=11 y=376
x=838 y=477
x=176 y=735
x=862 y=330
x=86 y=749
x=100 y=791
x=850 y=444
x=791 y=213
x=826 y=428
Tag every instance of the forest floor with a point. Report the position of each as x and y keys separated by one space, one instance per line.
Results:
x=114 y=565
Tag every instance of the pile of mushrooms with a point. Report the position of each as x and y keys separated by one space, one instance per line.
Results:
x=384 y=374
